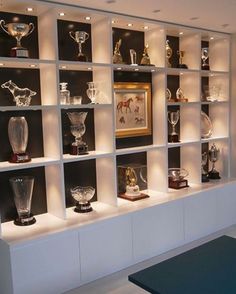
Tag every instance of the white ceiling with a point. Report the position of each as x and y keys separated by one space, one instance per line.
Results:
x=218 y=15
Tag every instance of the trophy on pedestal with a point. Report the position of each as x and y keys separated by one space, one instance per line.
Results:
x=214 y=154
x=169 y=53
x=204 y=172
x=78 y=129
x=205 y=56
x=22 y=188
x=173 y=118
x=82 y=196
x=177 y=178
x=181 y=56
x=80 y=37
x=146 y=59
x=117 y=58
x=180 y=96
x=18 y=31
x=18 y=137
x=133 y=57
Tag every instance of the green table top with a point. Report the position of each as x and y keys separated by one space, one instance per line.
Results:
x=207 y=269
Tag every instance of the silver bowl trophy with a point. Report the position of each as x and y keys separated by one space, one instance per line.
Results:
x=22 y=188
x=21 y=96
x=205 y=177
x=82 y=196
x=177 y=178
x=92 y=92
x=133 y=57
x=18 y=31
x=214 y=154
x=173 y=118
x=117 y=58
x=205 y=57
x=77 y=130
x=169 y=53
x=18 y=137
x=80 y=37
x=128 y=181
x=181 y=54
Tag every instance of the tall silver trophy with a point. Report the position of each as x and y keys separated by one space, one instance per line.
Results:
x=173 y=118
x=80 y=37
x=214 y=154
x=18 y=31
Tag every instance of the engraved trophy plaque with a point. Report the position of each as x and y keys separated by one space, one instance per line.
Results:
x=82 y=196
x=18 y=137
x=177 y=178
x=205 y=58
x=18 y=31
x=181 y=56
x=214 y=154
x=117 y=58
x=22 y=188
x=169 y=53
x=78 y=129
x=203 y=164
x=173 y=118
x=80 y=37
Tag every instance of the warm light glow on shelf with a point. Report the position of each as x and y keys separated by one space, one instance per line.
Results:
x=146 y=27
x=32 y=65
x=118 y=68
x=129 y=24
x=113 y=21
x=181 y=33
x=62 y=13
x=89 y=68
x=211 y=38
x=152 y=70
x=29 y=9
x=1 y=64
x=63 y=66
x=87 y=18
x=136 y=69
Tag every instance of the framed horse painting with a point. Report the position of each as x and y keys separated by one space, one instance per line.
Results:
x=133 y=109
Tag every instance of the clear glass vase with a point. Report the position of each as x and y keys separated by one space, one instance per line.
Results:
x=92 y=92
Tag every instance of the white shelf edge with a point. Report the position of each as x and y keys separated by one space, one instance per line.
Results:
x=138 y=149
x=140 y=68
x=214 y=139
x=214 y=102
x=183 y=103
x=91 y=155
x=179 y=144
x=79 y=65
x=22 y=108
x=91 y=106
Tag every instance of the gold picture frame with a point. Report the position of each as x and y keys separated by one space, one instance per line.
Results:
x=133 y=109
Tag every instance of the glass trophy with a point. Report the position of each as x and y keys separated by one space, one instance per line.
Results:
x=173 y=118
x=205 y=57
x=206 y=126
x=80 y=37
x=214 y=154
x=22 y=188
x=82 y=196
x=169 y=53
x=211 y=93
x=181 y=56
x=180 y=96
x=177 y=178
x=92 y=92
x=21 y=96
x=130 y=177
x=169 y=96
x=117 y=58
x=78 y=129
x=18 y=137
x=133 y=57
x=146 y=59
x=18 y=31
x=64 y=94
x=204 y=172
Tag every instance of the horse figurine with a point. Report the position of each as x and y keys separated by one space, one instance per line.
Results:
x=22 y=96
x=125 y=104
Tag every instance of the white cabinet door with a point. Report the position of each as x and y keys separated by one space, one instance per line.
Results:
x=226 y=205
x=48 y=266
x=105 y=247
x=157 y=229
x=200 y=216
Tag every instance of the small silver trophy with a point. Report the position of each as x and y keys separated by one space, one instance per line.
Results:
x=203 y=164
x=214 y=154
x=18 y=31
x=80 y=37
x=169 y=53
x=133 y=57
x=181 y=54
x=173 y=118
x=205 y=56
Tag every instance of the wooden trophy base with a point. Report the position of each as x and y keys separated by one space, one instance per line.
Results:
x=183 y=66
x=82 y=58
x=182 y=100
x=19 y=158
x=27 y=221
x=19 y=52
x=83 y=208
x=205 y=178
x=214 y=175
x=173 y=138
x=180 y=184
x=133 y=198
x=206 y=67
x=79 y=150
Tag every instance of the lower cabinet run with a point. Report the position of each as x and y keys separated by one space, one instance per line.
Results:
x=62 y=261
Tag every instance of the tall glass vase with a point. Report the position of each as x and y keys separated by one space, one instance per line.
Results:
x=22 y=188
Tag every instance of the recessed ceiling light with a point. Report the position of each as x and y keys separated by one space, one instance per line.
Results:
x=113 y=21
x=152 y=70
x=62 y=13
x=146 y=27
x=89 y=68
x=29 y=9
x=136 y=69
x=129 y=24
x=118 y=68
x=211 y=38
x=181 y=33
x=156 y=11
x=194 y=18
x=1 y=64
x=181 y=73
x=212 y=75
x=63 y=67
x=32 y=65
x=87 y=17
